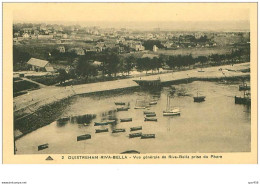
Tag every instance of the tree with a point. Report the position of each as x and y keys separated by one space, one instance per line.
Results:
x=143 y=64
x=187 y=60
x=129 y=64
x=216 y=58
x=111 y=63
x=202 y=59
x=156 y=64
x=85 y=68
x=171 y=62
x=20 y=59
x=63 y=76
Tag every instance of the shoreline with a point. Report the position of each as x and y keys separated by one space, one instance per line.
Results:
x=36 y=101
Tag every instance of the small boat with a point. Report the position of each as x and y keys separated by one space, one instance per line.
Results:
x=150 y=115
x=171 y=112
x=83 y=137
x=153 y=103
x=147 y=136
x=135 y=128
x=135 y=135
x=125 y=119
x=148 y=112
x=122 y=109
x=43 y=146
x=119 y=103
x=140 y=107
x=150 y=119
x=199 y=98
x=104 y=123
x=131 y=152
x=246 y=99
x=101 y=130
x=118 y=130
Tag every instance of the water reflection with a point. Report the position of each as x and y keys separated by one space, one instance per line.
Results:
x=216 y=125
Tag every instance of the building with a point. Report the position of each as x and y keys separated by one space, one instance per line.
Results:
x=40 y=65
x=139 y=47
x=61 y=49
x=155 y=48
x=26 y=35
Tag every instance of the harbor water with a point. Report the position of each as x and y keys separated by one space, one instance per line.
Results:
x=215 y=125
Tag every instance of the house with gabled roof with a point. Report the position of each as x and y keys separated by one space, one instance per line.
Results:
x=40 y=65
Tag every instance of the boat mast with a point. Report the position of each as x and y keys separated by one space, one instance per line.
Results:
x=167 y=102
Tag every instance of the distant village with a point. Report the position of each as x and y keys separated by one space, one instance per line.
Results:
x=74 y=52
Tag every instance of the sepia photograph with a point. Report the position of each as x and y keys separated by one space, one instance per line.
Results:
x=132 y=78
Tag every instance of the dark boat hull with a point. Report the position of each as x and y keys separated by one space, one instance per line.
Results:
x=244 y=88
x=83 y=137
x=118 y=130
x=150 y=115
x=119 y=103
x=105 y=123
x=135 y=128
x=147 y=112
x=199 y=99
x=242 y=100
x=101 y=130
x=43 y=146
x=150 y=119
x=126 y=120
x=135 y=135
x=147 y=136
x=122 y=109
x=131 y=152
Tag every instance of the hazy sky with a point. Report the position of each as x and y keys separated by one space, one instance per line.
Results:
x=131 y=12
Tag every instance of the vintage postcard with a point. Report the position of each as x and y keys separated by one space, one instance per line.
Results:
x=166 y=83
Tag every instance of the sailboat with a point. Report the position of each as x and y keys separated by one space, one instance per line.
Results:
x=199 y=98
x=169 y=111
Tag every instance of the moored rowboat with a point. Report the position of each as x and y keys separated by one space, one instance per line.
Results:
x=125 y=119
x=150 y=119
x=103 y=123
x=118 y=130
x=43 y=146
x=136 y=128
x=150 y=115
x=135 y=135
x=131 y=152
x=101 y=130
x=147 y=136
x=83 y=137
x=119 y=103
x=148 y=112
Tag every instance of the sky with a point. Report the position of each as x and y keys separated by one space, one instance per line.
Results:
x=182 y=15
